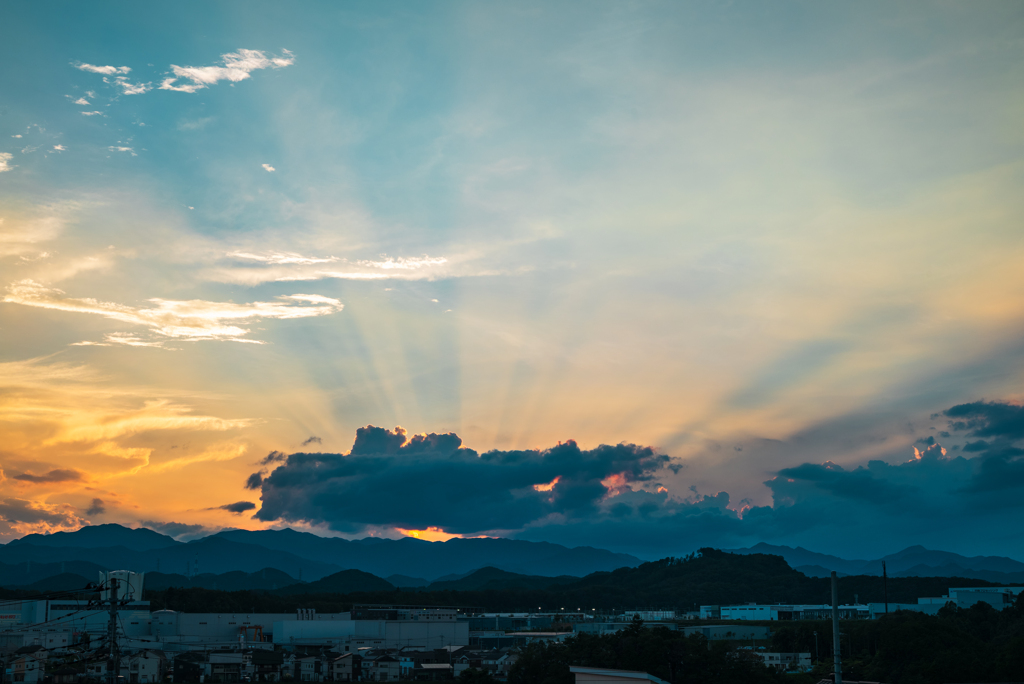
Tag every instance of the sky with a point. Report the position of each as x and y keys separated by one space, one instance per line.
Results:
x=646 y=276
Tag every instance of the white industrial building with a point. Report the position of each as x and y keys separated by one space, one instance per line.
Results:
x=754 y=611
x=351 y=635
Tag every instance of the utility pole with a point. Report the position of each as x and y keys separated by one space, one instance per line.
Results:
x=114 y=657
x=835 y=630
x=885 y=587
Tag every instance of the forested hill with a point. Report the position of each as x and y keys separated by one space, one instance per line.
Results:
x=708 y=577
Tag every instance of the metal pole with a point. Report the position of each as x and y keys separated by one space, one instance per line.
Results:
x=885 y=587
x=835 y=630
x=113 y=664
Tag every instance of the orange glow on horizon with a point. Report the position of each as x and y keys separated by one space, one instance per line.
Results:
x=431 y=534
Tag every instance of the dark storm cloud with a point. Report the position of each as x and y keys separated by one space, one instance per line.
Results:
x=237 y=508
x=97 y=508
x=611 y=496
x=255 y=481
x=988 y=419
x=430 y=480
x=1000 y=465
x=56 y=475
x=880 y=506
x=312 y=440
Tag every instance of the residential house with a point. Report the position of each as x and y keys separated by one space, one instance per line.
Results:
x=381 y=667
x=146 y=667
x=429 y=672
x=309 y=668
x=499 y=661
x=266 y=666
x=345 y=668
x=29 y=664
x=785 y=661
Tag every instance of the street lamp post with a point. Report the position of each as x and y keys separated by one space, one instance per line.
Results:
x=816 y=657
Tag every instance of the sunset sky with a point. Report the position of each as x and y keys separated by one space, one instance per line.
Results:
x=771 y=256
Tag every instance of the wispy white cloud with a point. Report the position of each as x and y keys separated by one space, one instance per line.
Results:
x=127 y=87
x=282 y=258
x=5 y=161
x=269 y=168
x=81 y=101
x=107 y=70
x=404 y=263
x=18 y=237
x=186 y=320
x=119 y=148
x=129 y=340
x=92 y=113
x=195 y=124
x=237 y=67
x=59 y=148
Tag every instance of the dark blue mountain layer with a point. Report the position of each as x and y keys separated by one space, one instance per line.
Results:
x=299 y=554
x=914 y=561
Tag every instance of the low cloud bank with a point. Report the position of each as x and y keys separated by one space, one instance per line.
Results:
x=615 y=497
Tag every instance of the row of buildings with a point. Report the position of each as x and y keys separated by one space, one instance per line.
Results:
x=962 y=597
x=67 y=639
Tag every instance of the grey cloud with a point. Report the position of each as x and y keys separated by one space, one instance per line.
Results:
x=272 y=457
x=312 y=440
x=22 y=511
x=174 y=529
x=255 y=481
x=97 y=508
x=854 y=512
x=238 y=507
x=1001 y=462
x=988 y=419
x=431 y=480
x=611 y=497
x=56 y=475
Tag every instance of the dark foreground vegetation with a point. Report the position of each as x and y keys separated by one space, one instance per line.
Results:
x=659 y=651
x=979 y=644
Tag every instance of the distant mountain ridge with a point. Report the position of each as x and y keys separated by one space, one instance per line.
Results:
x=406 y=562
x=298 y=554
x=913 y=561
x=102 y=536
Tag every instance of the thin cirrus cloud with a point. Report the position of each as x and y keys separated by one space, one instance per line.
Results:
x=291 y=266
x=282 y=258
x=236 y=67
x=191 y=320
